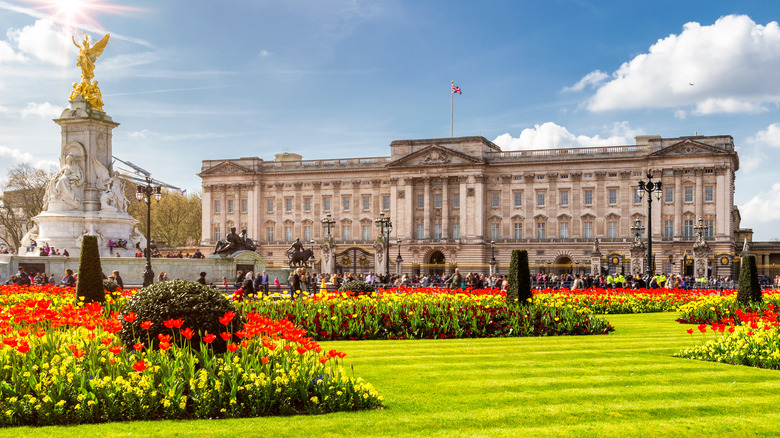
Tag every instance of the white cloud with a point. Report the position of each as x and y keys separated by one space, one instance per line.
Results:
x=769 y=136
x=591 y=79
x=762 y=207
x=550 y=135
x=45 y=110
x=16 y=154
x=138 y=134
x=8 y=54
x=727 y=67
x=264 y=54
x=44 y=42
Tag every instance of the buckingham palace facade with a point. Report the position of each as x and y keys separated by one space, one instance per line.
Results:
x=463 y=202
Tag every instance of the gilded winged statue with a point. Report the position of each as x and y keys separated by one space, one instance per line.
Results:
x=86 y=60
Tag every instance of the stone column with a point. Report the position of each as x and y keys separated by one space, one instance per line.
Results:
x=698 y=193
x=409 y=205
x=721 y=202
x=427 y=208
x=701 y=251
x=678 y=202
x=445 y=207
x=298 y=211
x=207 y=217
x=479 y=207
x=317 y=232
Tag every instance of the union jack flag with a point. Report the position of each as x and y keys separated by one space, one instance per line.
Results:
x=455 y=89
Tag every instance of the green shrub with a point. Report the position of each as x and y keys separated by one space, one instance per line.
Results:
x=110 y=286
x=89 y=284
x=749 y=289
x=358 y=287
x=199 y=306
x=519 y=287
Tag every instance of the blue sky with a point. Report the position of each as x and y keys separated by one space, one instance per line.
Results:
x=193 y=80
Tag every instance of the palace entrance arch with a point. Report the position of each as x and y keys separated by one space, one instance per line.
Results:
x=436 y=263
x=562 y=265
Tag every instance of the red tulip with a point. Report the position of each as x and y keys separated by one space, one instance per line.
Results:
x=79 y=353
x=139 y=346
x=24 y=347
x=323 y=359
x=225 y=336
x=106 y=341
x=115 y=349
x=225 y=320
x=130 y=317
x=300 y=350
x=164 y=346
x=164 y=338
x=188 y=333
x=232 y=347
x=146 y=324
x=690 y=331
x=209 y=338
x=264 y=359
x=140 y=365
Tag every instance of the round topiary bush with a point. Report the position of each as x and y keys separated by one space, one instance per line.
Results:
x=357 y=287
x=110 y=286
x=199 y=307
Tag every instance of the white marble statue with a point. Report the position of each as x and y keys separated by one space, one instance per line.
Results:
x=112 y=196
x=64 y=184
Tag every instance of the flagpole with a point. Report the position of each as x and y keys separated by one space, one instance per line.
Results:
x=452 y=110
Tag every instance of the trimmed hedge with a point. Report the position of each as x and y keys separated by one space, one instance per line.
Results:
x=749 y=288
x=89 y=283
x=357 y=287
x=519 y=287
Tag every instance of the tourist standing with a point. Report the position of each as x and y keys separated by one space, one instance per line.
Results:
x=68 y=280
x=118 y=279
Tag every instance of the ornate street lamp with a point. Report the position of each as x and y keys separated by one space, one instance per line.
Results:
x=398 y=260
x=699 y=229
x=145 y=193
x=385 y=227
x=637 y=229
x=651 y=188
x=327 y=224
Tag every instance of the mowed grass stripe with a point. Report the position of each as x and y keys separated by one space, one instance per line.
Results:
x=623 y=384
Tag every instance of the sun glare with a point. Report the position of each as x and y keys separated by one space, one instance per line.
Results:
x=75 y=15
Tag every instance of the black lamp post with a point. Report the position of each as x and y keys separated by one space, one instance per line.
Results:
x=144 y=193
x=651 y=188
x=385 y=227
x=327 y=224
x=493 y=257
x=399 y=260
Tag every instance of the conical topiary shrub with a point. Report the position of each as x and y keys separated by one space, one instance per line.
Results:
x=90 y=276
x=749 y=289
x=519 y=287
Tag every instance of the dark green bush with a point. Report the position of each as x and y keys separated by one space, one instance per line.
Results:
x=89 y=283
x=358 y=287
x=519 y=282
x=749 y=289
x=110 y=286
x=198 y=305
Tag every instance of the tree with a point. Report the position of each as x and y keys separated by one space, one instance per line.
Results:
x=90 y=280
x=749 y=289
x=22 y=200
x=519 y=287
x=176 y=218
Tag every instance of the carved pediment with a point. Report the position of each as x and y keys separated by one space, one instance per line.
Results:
x=435 y=155
x=225 y=168
x=688 y=147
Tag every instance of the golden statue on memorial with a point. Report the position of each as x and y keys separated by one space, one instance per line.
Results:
x=86 y=60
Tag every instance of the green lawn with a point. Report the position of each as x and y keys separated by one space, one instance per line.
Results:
x=623 y=384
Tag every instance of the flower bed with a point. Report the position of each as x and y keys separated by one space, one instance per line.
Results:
x=425 y=314
x=63 y=364
x=621 y=301
x=712 y=309
x=751 y=338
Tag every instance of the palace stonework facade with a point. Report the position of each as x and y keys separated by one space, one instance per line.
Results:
x=449 y=198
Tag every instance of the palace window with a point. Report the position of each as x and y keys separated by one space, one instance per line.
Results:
x=366 y=203
x=709 y=194
x=307 y=233
x=217 y=207
x=564 y=230
x=587 y=230
x=564 y=195
x=709 y=228
x=288 y=205
x=437 y=200
x=540 y=230
x=269 y=234
x=540 y=199
x=217 y=234
x=668 y=228
x=495 y=200
x=345 y=203
x=688 y=194
x=437 y=231
x=456 y=231
x=345 y=232
x=230 y=206
x=244 y=206
x=420 y=231
x=306 y=204
x=669 y=195
x=456 y=200
x=518 y=199
x=612 y=229
x=688 y=228
x=366 y=232
x=420 y=201
x=612 y=196
x=386 y=202
x=494 y=231
x=518 y=231
x=587 y=198
x=326 y=203
x=288 y=234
